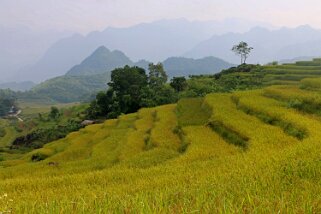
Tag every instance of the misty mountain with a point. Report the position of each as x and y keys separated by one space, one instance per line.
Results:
x=180 y=66
x=102 y=60
x=22 y=46
x=17 y=86
x=94 y=72
x=151 y=41
x=269 y=45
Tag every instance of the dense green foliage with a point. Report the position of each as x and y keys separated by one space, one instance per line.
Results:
x=7 y=101
x=42 y=128
x=66 y=89
x=131 y=89
x=41 y=136
x=179 y=83
x=180 y=66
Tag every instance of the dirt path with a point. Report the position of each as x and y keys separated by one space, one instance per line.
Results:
x=17 y=116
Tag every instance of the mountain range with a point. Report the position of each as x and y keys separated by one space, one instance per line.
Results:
x=154 y=42
x=103 y=60
x=22 y=47
x=93 y=73
x=269 y=45
x=159 y=40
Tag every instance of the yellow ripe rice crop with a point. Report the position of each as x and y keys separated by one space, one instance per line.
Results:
x=178 y=159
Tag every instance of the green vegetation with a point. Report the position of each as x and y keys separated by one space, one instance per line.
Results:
x=131 y=89
x=180 y=66
x=311 y=83
x=37 y=129
x=66 y=89
x=228 y=134
x=7 y=101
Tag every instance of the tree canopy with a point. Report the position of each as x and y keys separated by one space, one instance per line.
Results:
x=243 y=50
x=7 y=101
x=131 y=89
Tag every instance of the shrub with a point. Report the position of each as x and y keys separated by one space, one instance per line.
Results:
x=38 y=157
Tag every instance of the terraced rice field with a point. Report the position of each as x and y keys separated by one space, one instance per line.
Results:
x=291 y=74
x=251 y=151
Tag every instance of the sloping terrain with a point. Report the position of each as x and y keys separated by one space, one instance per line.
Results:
x=285 y=74
x=101 y=61
x=250 y=151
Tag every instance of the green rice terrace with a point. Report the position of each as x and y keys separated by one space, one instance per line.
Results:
x=250 y=151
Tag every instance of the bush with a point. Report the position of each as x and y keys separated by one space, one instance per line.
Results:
x=38 y=157
x=242 y=68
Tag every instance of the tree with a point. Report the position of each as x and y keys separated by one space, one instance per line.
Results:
x=130 y=89
x=126 y=85
x=7 y=101
x=243 y=50
x=157 y=75
x=179 y=83
x=54 y=113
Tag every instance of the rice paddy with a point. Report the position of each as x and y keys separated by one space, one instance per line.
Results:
x=252 y=151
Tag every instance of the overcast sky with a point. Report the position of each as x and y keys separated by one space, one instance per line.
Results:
x=87 y=15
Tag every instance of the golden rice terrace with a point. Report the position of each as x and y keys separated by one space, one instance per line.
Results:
x=251 y=151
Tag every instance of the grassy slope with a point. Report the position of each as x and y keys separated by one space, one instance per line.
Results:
x=171 y=159
x=134 y=163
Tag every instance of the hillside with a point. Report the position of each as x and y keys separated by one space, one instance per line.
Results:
x=180 y=66
x=101 y=61
x=211 y=159
x=93 y=73
x=244 y=151
x=67 y=89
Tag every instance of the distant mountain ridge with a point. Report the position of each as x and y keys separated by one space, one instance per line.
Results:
x=103 y=60
x=269 y=45
x=153 y=41
x=93 y=74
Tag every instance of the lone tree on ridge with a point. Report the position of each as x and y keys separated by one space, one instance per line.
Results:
x=243 y=50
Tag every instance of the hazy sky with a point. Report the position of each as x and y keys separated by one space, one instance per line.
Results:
x=87 y=15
